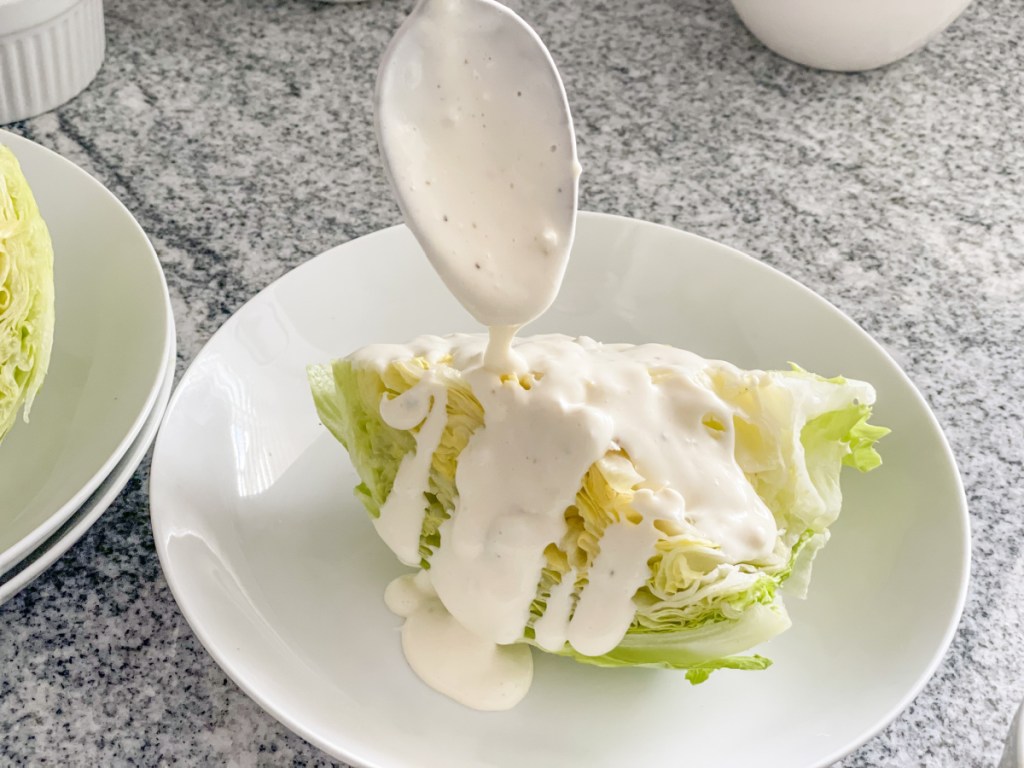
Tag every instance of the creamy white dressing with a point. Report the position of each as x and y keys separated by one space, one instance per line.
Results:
x=476 y=135
x=551 y=630
x=499 y=356
x=450 y=658
x=477 y=139
x=423 y=405
x=519 y=473
x=605 y=607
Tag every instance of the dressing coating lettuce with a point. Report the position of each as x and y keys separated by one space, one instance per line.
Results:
x=697 y=611
x=26 y=294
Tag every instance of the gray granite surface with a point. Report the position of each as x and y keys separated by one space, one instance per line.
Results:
x=239 y=133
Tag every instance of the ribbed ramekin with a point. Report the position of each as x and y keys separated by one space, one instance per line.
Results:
x=50 y=50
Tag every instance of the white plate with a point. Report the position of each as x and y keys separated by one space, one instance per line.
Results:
x=279 y=572
x=22 y=574
x=112 y=339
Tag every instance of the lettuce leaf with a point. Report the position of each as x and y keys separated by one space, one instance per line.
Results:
x=26 y=294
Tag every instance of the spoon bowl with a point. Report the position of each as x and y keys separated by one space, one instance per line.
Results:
x=478 y=145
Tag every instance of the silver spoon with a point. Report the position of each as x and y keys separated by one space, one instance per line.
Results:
x=478 y=144
x=1013 y=750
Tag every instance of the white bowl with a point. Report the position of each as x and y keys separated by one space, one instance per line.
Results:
x=112 y=337
x=49 y=51
x=847 y=35
x=278 y=570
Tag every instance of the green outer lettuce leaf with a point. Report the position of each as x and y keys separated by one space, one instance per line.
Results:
x=347 y=402
x=26 y=294
x=701 y=672
x=704 y=648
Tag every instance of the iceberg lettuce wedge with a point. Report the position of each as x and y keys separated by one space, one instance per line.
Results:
x=26 y=294
x=697 y=610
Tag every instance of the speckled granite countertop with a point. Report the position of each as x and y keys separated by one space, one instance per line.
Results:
x=239 y=133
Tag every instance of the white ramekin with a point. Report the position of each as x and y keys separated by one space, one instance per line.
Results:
x=49 y=51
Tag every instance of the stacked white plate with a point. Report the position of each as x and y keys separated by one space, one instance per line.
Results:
x=109 y=378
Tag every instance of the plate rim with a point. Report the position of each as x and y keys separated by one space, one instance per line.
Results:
x=31 y=541
x=297 y=727
x=90 y=512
